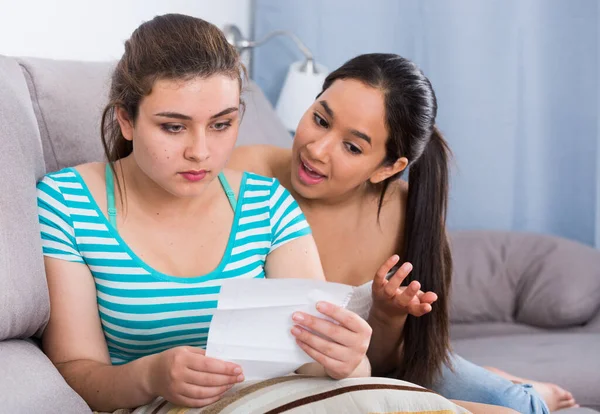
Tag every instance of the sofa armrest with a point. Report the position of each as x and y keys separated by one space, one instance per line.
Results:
x=30 y=383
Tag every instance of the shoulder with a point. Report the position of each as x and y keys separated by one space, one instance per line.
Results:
x=54 y=183
x=266 y=187
x=234 y=180
x=264 y=160
x=92 y=174
x=61 y=187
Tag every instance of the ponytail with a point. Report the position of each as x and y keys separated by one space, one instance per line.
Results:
x=410 y=112
x=426 y=338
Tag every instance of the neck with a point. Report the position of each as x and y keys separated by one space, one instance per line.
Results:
x=143 y=192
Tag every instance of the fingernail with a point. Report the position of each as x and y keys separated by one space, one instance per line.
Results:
x=240 y=378
x=298 y=317
x=407 y=267
x=322 y=306
x=296 y=331
x=238 y=370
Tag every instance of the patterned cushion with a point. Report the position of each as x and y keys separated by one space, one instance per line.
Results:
x=302 y=394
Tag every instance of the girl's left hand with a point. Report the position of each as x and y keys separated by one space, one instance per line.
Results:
x=340 y=349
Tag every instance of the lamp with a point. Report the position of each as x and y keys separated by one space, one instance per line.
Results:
x=302 y=84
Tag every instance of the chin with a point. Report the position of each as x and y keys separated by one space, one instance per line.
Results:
x=183 y=192
x=307 y=192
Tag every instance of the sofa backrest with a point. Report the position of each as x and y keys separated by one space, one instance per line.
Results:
x=68 y=98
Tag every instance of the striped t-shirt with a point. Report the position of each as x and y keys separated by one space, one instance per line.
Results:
x=144 y=311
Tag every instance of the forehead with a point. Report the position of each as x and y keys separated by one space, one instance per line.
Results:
x=200 y=96
x=357 y=106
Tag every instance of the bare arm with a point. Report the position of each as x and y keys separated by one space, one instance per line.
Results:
x=75 y=343
x=384 y=349
x=297 y=259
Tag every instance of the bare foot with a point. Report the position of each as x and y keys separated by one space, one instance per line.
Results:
x=556 y=398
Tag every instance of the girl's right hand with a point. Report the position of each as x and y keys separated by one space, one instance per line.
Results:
x=391 y=298
x=185 y=376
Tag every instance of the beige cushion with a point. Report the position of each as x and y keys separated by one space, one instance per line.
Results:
x=299 y=394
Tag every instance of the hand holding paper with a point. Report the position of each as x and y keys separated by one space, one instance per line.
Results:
x=340 y=347
x=253 y=322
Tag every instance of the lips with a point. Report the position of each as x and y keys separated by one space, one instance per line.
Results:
x=194 y=175
x=308 y=174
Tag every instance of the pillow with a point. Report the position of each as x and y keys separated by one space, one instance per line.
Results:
x=535 y=279
x=302 y=394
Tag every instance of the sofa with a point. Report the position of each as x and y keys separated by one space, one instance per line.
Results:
x=525 y=303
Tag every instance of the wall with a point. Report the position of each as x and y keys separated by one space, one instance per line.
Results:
x=96 y=30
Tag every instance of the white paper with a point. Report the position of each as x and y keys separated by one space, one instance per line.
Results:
x=251 y=325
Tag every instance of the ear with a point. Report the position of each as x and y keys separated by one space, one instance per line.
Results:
x=385 y=172
x=125 y=123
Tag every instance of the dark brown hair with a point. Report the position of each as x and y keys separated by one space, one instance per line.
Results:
x=411 y=108
x=172 y=46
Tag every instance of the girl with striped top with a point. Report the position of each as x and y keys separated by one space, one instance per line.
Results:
x=136 y=249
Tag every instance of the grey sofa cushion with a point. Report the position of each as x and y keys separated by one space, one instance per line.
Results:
x=24 y=304
x=594 y=324
x=483 y=329
x=532 y=279
x=30 y=384
x=69 y=97
x=569 y=360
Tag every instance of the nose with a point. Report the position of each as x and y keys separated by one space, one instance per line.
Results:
x=319 y=149
x=197 y=148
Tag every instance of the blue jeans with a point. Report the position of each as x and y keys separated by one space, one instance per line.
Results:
x=470 y=382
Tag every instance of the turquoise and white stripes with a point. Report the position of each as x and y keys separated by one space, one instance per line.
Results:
x=144 y=311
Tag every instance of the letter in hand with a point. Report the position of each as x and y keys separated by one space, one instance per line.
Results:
x=185 y=376
x=394 y=299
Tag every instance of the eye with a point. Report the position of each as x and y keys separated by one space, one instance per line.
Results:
x=221 y=126
x=352 y=149
x=320 y=121
x=172 y=128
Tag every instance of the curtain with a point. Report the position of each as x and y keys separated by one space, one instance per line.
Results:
x=517 y=83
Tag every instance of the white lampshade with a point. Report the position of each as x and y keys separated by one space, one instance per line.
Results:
x=299 y=91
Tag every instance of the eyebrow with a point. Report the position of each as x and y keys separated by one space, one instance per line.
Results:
x=325 y=106
x=361 y=135
x=224 y=112
x=354 y=132
x=177 y=115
